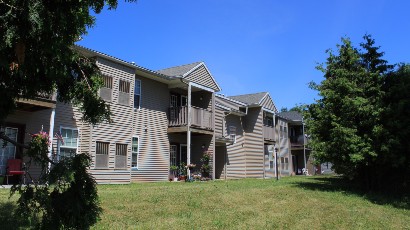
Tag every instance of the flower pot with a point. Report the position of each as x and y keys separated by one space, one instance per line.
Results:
x=182 y=178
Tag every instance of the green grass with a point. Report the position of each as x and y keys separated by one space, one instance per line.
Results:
x=291 y=203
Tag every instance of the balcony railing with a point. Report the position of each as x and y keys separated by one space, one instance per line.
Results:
x=201 y=118
x=298 y=141
x=268 y=133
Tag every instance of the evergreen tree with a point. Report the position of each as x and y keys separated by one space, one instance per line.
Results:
x=345 y=123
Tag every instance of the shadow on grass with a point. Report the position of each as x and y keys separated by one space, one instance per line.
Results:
x=340 y=184
x=8 y=220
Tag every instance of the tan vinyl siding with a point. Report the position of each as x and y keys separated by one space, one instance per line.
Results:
x=203 y=77
x=267 y=103
x=150 y=125
x=254 y=144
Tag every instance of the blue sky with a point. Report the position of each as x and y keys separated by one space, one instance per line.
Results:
x=250 y=45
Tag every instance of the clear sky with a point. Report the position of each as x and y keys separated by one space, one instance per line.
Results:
x=250 y=46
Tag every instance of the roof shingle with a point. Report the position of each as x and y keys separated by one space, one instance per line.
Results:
x=178 y=71
x=249 y=99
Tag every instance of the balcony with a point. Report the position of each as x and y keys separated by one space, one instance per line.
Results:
x=297 y=142
x=42 y=101
x=268 y=133
x=200 y=118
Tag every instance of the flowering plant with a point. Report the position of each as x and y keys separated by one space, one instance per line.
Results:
x=190 y=166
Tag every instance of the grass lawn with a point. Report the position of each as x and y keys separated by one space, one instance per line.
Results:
x=291 y=203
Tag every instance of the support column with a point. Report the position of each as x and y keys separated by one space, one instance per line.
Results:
x=188 y=141
x=51 y=136
x=304 y=148
x=213 y=136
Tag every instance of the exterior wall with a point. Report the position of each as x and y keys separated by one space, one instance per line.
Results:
x=203 y=77
x=236 y=160
x=119 y=131
x=33 y=122
x=254 y=143
x=153 y=160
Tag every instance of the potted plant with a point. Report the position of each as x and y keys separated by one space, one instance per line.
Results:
x=174 y=172
x=182 y=171
x=206 y=167
x=1 y=179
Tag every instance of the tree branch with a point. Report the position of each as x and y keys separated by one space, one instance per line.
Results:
x=84 y=76
x=6 y=138
x=12 y=7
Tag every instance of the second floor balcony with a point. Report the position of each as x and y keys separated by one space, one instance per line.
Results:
x=268 y=133
x=42 y=101
x=298 y=141
x=200 y=118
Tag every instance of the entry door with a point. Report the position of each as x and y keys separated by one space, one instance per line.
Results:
x=9 y=151
x=183 y=153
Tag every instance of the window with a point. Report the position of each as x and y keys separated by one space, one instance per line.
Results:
x=173 y=101
x=232 y=133
x=271 y=152
x=102 y=150
x=134 y=152
x=106 y=89
x=137 y=94
x=67 y=143
x=120 y=156
x=7 y=150
x=124 y=92
x=286 y=163
x=282 y=163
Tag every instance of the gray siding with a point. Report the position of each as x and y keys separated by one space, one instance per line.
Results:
x=219 y=122
x=203 y=77
x=119 y=131
x=154 y=144
x=267 y=103
x=254 y=143
x=236 y=160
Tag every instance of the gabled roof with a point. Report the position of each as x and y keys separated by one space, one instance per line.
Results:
x=291 y=116
x=179 y=71
x=196 y=72
x=250 y=99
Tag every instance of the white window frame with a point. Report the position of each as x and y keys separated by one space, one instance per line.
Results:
x=138 y=152
x=139 y=94
x=59 y=146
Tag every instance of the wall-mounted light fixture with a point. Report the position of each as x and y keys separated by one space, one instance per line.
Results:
x=146 y=128
x=203 y=146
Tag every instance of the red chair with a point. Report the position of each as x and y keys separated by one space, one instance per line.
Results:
x=14 y=168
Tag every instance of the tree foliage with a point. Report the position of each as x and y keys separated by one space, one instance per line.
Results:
x=37 y=57
x=346 y=123
x=37 y=54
